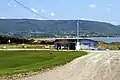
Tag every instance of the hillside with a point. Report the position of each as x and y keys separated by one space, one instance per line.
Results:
x=51 y=28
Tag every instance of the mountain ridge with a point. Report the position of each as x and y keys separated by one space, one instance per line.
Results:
x=30 y=27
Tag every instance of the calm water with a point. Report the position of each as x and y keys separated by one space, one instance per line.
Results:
x=106 y=39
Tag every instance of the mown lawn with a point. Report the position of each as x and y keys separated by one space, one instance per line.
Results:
x=25 y=46
x=14 y=62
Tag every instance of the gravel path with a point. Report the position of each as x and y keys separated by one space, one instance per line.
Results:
x=97 y=65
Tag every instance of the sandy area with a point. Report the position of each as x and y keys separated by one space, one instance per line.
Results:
x=97 y=65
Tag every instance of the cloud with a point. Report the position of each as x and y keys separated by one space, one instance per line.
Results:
x=92 y=6
x=14 y=6
x=9 y=4
x=111 y=22
x=84 y=19
x=52 y=14
x=39 y=18
x=109 y=7
x=43 y=11
x=2 y=17
x=33 y=9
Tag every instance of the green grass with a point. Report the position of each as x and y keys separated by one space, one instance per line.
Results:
x=14 y=62
x=28 y=46
x=114 y=46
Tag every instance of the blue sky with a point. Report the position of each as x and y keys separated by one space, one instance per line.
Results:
x=96 y=10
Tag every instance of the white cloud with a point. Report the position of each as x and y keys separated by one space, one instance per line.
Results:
x=92 y=6
x=52 y=14
x=109 y=7
x=14 y=6
x=43 y=11
x=9 y=4
x=39 y=19
x=83 y=19
x=87 y=19
x=2 y=17
x=112 y=22
x=33 y=9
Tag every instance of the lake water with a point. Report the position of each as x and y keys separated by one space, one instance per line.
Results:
x=106 y=39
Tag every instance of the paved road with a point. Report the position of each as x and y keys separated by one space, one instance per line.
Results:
x=98 y=65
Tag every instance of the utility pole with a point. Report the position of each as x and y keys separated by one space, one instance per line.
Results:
x=77 y=30
x=78 y=42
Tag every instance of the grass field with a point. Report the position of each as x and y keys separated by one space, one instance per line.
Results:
x=28 y=46
x=14 y=62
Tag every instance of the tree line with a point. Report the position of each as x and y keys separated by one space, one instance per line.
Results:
x=15 y=40
x=10 y=40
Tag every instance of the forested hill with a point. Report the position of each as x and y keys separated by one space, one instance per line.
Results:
x=30 y=27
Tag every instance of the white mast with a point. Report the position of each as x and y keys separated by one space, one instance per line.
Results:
x=78 y=42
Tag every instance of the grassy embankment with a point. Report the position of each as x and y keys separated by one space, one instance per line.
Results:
x=15 y=62
x=114 y=46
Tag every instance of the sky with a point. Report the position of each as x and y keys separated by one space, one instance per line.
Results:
x=95 y=10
